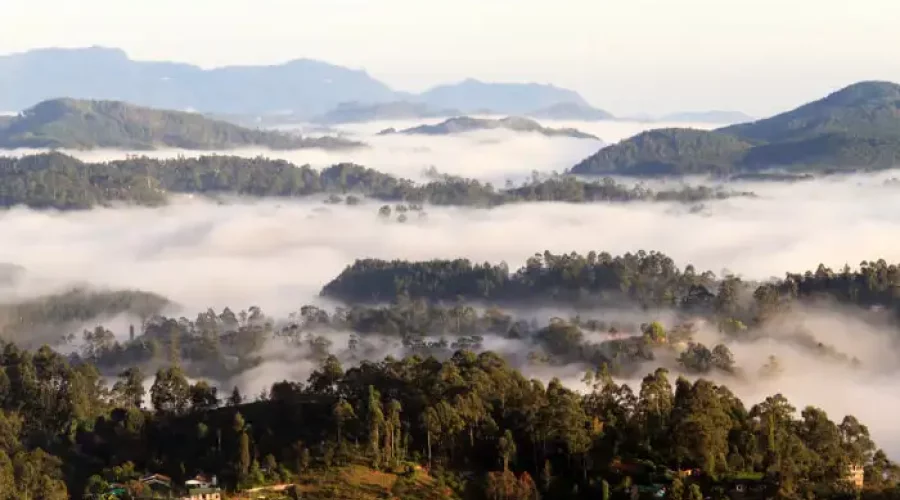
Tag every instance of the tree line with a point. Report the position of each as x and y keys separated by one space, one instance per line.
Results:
x=646 y=279
x=447 y=403
x=490 y=432
x=55 y=180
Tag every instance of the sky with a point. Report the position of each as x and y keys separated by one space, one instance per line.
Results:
x=626 y=56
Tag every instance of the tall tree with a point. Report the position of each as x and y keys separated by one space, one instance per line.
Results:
x=375 y=421
x=170 y=392
x=506 y=447
x=129 y=389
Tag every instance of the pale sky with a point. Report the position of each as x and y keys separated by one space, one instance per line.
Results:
x=626 y=56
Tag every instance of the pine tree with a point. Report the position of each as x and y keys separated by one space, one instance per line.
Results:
x=235 y=399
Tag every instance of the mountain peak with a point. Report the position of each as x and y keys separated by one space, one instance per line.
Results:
x=303 y=87
x=866 y=108
x=471 y=95
x=862 y=92
x=91 y=50
x=855 y=127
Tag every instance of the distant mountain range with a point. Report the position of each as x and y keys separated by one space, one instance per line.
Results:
x=86 y=124
x=571 y=111
x=465 y=124
x=303 y=88
x=505 y=98
x=856 y=127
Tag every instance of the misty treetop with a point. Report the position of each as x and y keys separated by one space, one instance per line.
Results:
x=226 y=344
x=54 y=180
x=441 y=306
x=647 y=279
x=45 y=319
x=471 y=418
x=474 y=420
x=87 y=124
x=857 y=127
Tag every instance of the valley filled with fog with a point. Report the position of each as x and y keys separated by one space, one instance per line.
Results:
x=437 y=251
x=278 y=254
x=491 y=156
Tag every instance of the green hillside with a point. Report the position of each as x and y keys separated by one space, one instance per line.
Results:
x=857 y=127
x=85 y=124
x=865 y=109
x=667 y=151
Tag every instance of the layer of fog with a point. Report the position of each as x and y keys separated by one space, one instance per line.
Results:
x=806 y=377
x=809 y=379
x=277 y=254
x=491 y=156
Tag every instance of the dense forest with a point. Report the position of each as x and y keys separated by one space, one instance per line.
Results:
x=854 y=128
x=54 y=180
x=84 y=124
x=648 y=279
x=478 y=425
x=469 y=416
x=430 y=322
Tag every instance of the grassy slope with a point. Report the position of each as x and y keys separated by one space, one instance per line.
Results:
x=357 y=482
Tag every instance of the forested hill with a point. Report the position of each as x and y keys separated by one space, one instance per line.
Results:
x=86 y=124
x=55 y=180
x=865 y=109
x=447 y=419
x=479 y=424
x=857 y=127
x=465 y=124
x=646 y=279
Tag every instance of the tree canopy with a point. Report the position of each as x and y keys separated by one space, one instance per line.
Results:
x=54 y=180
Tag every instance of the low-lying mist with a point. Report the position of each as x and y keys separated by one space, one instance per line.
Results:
x=492 y=156
x=279 y=253
x=806 y=374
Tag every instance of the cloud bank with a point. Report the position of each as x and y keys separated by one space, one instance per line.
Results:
x=278 y=253
x=491 y=156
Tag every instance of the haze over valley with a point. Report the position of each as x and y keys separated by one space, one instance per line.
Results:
x=294 y=277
